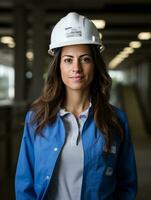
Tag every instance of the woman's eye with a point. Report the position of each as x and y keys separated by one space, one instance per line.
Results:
x=68 y=60
x=86 y=60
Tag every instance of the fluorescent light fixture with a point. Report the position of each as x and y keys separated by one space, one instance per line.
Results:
x=128 y=50
x=7 y=39
x=100 y=24
x=144 y=35
x=123 y=54
x=135 y=44
x=100 y=34
x=11 y=45
x=114 y=62
x=120 y=57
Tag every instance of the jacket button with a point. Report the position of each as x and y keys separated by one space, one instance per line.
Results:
x=47 y=177
x=55 y=149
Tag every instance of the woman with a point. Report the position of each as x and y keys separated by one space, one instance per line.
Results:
x=75 y=144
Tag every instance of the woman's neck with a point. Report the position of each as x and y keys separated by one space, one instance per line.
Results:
x=76 y=102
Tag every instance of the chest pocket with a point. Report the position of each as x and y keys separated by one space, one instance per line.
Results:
x=107 y=161
x=110 y=159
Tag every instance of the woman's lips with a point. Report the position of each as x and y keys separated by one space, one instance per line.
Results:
x=77 y=78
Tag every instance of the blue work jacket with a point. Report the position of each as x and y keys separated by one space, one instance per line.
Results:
x=105 y=177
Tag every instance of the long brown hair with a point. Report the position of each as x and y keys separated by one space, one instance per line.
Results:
x=47 y=105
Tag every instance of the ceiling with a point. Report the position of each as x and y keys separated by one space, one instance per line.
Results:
x=124 y=20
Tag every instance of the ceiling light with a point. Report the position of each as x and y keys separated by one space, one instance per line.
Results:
x=100 y=34
x=144 y=36
x=11 y=45
x=123 y=54
x=135 y=44
x=128 y=50
x=114 y=62
x=30 y=55
x=6 y=40
x=100 y=24
x=29 y=74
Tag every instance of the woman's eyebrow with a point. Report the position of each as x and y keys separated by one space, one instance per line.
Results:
x=68 y=56
x=73 y=56
x=85 y=55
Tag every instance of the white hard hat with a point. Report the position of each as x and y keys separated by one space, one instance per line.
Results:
x=74 y=29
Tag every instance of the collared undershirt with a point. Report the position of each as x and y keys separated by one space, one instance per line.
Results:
x=67 y=177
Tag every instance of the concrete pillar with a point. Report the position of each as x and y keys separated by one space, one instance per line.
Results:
x=38 y=15
x=20 y=51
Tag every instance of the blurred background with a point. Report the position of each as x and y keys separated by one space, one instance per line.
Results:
x=25 y=27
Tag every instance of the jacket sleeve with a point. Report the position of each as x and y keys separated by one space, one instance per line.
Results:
x=126 y=188
x=24 y=179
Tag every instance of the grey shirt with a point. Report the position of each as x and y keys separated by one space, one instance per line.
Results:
x=67 y=177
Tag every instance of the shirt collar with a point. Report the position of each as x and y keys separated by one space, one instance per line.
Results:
x=64 y=112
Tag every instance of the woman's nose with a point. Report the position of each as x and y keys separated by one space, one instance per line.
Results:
x=77 y=66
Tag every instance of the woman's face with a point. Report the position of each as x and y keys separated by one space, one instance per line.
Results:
x=77 y=67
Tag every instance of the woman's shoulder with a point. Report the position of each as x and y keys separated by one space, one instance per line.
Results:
x=30 y=119
x=29 y=116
